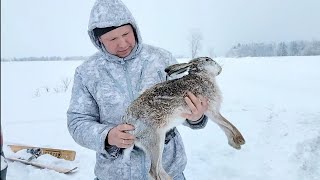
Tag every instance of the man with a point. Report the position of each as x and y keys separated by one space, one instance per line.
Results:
x=108 y=82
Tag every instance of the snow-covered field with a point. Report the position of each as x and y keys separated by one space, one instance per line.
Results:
x=274 y=102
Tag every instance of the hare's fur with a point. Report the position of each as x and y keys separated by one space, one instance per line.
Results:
x=159 y=109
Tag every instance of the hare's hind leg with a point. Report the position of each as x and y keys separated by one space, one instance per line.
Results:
x=235 y=139
x=153 y=145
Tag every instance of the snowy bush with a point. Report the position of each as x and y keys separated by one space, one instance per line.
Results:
x=63 y=86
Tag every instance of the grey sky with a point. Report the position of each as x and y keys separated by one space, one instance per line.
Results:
x=59 y=27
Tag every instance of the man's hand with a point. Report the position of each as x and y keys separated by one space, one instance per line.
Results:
x=118 y=136
x=198 y=105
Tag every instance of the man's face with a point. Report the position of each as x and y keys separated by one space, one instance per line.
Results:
x=119 y=41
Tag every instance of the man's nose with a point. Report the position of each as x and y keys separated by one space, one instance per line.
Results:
x=122 y=42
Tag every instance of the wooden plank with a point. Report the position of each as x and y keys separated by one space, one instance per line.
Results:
x=58 y=153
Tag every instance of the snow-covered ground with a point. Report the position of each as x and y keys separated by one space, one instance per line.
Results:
x=274 y=102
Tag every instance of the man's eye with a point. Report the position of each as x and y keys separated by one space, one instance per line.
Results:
x=125 y=34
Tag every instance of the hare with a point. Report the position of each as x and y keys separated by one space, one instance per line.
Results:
x=159 y=109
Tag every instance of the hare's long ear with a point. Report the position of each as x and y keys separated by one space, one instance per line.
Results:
x=177 y=68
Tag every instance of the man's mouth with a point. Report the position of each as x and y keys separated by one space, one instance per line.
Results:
x=123 y=51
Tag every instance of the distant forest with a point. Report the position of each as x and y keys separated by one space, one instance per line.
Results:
x=47 y=58
x=293 y=48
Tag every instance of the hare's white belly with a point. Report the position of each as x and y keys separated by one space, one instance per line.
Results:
x=175 y=119
x=174 y=123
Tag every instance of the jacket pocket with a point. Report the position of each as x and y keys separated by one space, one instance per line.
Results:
x=108 y=166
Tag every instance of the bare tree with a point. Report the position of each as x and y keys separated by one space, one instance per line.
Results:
x=65 y=83
x=195 y=43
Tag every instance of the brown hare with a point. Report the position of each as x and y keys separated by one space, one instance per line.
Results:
x=159 y=109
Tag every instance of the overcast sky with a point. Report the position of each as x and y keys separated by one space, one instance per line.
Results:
x=59 y=27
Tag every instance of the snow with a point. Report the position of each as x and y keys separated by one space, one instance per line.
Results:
x=273 y=101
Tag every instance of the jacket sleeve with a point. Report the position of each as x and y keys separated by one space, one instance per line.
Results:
x=199 y=124
x=83 y=120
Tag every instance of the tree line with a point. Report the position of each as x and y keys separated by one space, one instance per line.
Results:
x=47 y=58
x=293 y=48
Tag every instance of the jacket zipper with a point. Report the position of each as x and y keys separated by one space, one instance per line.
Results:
x=128 y=82
x=138 y=87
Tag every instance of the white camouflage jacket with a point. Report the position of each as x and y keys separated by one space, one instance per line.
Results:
x=103 y=88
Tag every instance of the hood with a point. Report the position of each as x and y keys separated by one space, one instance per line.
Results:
x=107 y=13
